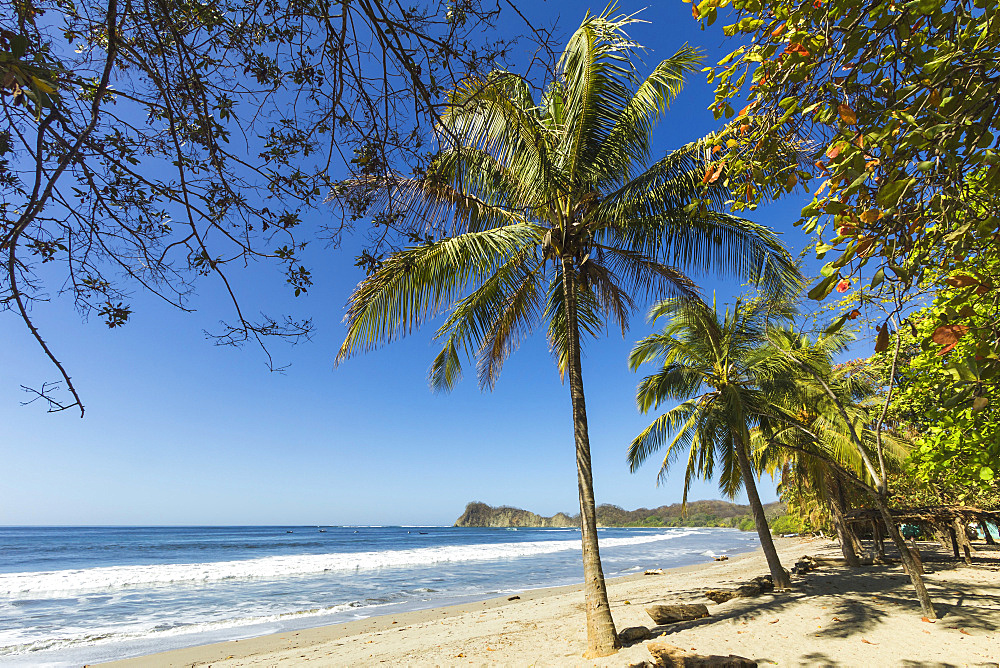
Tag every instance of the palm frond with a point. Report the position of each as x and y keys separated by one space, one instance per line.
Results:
x=497 y=116
x=473 y=321
x=675 y=426
x=627 y=143
x=589 y=319
x=417 y=283
x=598 y=77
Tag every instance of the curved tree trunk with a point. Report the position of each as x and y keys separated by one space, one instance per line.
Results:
x=847 y=539
x=602 y=639
x=909 y=564
x=778 y=574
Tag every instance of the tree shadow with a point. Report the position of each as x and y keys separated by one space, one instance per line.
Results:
x=879 y=592
x=818 y=659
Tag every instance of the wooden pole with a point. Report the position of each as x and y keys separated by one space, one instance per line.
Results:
x=986 y=532
x=963 y=540
x=954 y=540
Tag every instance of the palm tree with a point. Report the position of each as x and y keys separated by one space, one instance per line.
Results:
x=813 y=450
x=717 y=366
x=553 y=216
x=875 y=450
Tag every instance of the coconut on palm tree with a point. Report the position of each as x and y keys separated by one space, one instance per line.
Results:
x=717 y=366
x=548 y=213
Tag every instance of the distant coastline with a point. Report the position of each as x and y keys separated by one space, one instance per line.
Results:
x=698 y=514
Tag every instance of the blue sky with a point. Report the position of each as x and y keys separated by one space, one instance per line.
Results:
x=179 y=431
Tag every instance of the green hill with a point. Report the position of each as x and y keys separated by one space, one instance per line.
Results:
x=699 y=514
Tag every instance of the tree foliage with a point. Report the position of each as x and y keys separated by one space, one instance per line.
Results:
x=894 y=109
x=144 y=145
x=948 y=398
x=892 y=106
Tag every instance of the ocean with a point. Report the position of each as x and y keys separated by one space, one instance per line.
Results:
x=76 y=595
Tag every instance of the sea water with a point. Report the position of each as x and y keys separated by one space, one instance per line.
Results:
x=75 y=595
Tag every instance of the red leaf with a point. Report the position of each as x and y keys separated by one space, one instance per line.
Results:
x=961 y=281
x=713 y=176
x=948 y=336
x=844 y=285
x=882 y=340
x=835 y=150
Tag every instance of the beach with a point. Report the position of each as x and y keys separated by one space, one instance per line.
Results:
x=834 y=616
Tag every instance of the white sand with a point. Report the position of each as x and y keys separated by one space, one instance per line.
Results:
x=834 y=616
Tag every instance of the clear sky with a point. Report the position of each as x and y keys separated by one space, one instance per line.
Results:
x=179 y=431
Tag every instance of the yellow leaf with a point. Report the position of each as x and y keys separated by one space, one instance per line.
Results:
x=847 y=114
x=42 y=85
x=869 y=216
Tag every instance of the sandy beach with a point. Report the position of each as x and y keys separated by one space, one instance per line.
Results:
x=834 y=616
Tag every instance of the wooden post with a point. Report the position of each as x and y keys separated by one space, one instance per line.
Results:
x=954 y=539
x=963 y=540
x=879 y=543
x=986 y=532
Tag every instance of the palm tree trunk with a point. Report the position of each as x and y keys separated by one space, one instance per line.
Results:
x=602 y=638
x=778 y=575
x=909 y=564
x=855 y=541
x=843 y=530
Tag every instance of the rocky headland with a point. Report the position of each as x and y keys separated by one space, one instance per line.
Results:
x=697 y=513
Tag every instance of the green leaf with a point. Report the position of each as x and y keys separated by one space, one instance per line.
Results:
x=824 y=288
x=18 y=46
x=836 y=325
x=878 y=278
x=890 y=193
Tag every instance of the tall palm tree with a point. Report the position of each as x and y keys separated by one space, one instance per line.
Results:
x=717 y=366
x=554 y=217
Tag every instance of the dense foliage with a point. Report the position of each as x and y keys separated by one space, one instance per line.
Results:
x=892 y=108
x=695 y=514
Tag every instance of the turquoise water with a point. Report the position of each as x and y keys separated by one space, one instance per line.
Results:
x=74 y=595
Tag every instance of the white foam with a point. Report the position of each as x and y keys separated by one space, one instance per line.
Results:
x=19 y=642
x=118 y=577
